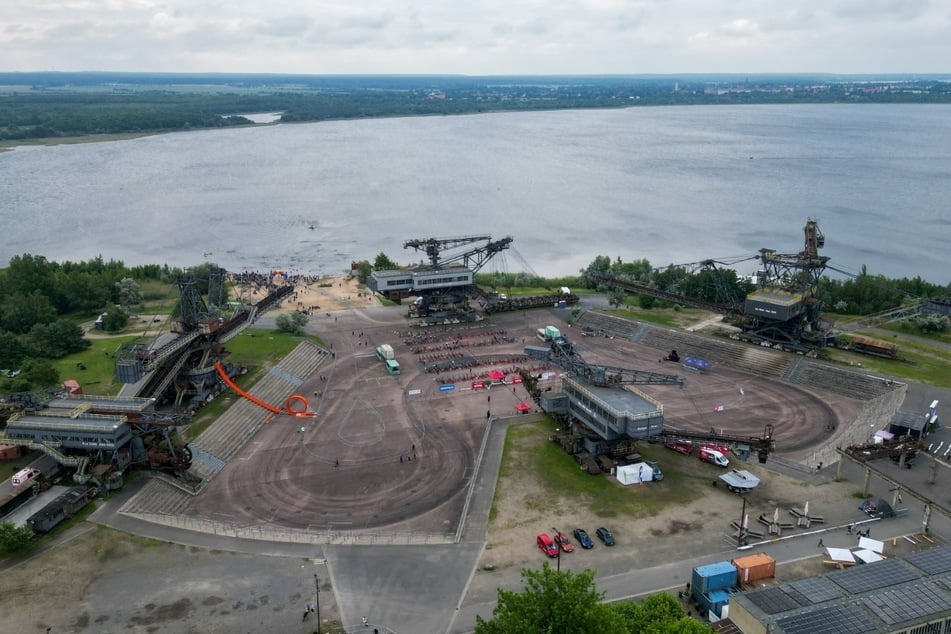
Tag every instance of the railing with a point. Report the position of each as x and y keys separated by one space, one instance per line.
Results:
x=291 y=535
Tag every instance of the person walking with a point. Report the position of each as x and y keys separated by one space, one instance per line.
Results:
x=820 y=543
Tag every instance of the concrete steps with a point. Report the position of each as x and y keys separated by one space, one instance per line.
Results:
x=756 y=360
x=228 y=435
x=839 y=380
x=611 y=325
x=157 y=497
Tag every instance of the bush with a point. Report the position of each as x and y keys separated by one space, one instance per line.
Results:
x=291 y=322
x=14 y=538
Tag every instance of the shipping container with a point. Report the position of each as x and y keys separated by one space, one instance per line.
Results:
x=713 y=602
x=754 y=567
x=706 y=579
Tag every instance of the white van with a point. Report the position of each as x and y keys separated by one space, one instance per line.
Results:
x=24 y=475
x=714 y=457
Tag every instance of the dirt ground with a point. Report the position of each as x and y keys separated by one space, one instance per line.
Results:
x=699 y=526
x=367 y=421
x=327 y=294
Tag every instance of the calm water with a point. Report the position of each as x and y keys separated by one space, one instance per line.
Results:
x=673 y=185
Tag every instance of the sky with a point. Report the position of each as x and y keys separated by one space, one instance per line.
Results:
x=484 y=37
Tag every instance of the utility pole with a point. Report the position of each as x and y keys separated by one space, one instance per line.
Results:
x=317 y=585
x=741 y=530
x=558 y=546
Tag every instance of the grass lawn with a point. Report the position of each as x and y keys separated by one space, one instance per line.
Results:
x=528 y=450
x=664 y=316
x=916 y=362
x=99 y=377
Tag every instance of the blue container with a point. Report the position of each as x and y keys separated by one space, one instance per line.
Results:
x=707 y=579
x=718 y=599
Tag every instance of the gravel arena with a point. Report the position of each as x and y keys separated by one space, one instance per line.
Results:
x=392 y=455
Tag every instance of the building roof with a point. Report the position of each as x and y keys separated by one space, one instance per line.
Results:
x=885 y=596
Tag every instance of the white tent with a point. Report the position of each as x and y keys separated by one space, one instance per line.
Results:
x=843 y=555
x=874 y=545
x=867 y=556
x=634 y=473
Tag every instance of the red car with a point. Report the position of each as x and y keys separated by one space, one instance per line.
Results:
x=683 y=446
x=546 y=545
x=562 y=540
x=716 y=446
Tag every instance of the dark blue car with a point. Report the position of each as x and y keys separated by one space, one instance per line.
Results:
x=605 y=536
x=582 y=538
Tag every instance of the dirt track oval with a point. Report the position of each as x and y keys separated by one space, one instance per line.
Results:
x=353 y=466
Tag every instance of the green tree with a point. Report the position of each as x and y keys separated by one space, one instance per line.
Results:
x=291 y=322
x=81 y=290
x=364 y=268
x=658 y=614
x=384 y=263
x=12 y=351
x=20 y=312
x=57 y=339
x=617 y=298
x=129 y=293
x=14 y=538
x=115 y=320
x=39 y=373
x=601 y=265
x=28 y=273
x=552 y=602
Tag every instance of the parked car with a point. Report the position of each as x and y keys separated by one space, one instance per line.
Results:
x=713 y=457
x=716 y=446
x=683 y=446
x=562 y=540
x=546 y=545
x=658 y=475
x=582 y=538
x=605 y=536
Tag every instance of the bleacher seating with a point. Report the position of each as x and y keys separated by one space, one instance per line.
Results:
x=229 y=434
x=757 y=360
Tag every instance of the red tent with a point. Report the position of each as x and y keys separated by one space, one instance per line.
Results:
x=496 y=375
x=523 y=408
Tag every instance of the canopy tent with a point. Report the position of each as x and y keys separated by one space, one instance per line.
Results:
x=867 y=556
x=523 y=408
x=496 y=375
x=840 y=555
x=867 y=543
x=634 y=473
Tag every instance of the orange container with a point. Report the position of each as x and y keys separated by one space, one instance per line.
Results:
x=754 y=567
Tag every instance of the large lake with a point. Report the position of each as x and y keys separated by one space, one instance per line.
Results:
x=670 y=184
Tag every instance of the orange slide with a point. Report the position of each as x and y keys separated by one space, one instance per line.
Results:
x=288 y=408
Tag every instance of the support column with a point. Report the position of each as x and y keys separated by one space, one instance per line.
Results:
x=926 y=519
x=932 y=469
x=868 y=479
x=838 y=469
x=896 y=498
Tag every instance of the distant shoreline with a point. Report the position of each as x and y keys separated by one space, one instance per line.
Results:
x=58 y=108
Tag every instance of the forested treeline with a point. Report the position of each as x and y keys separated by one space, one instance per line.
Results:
x=864 y=294
x=41 y=303
x=57 y=105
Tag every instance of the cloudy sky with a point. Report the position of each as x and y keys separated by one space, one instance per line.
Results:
x=489 y=37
